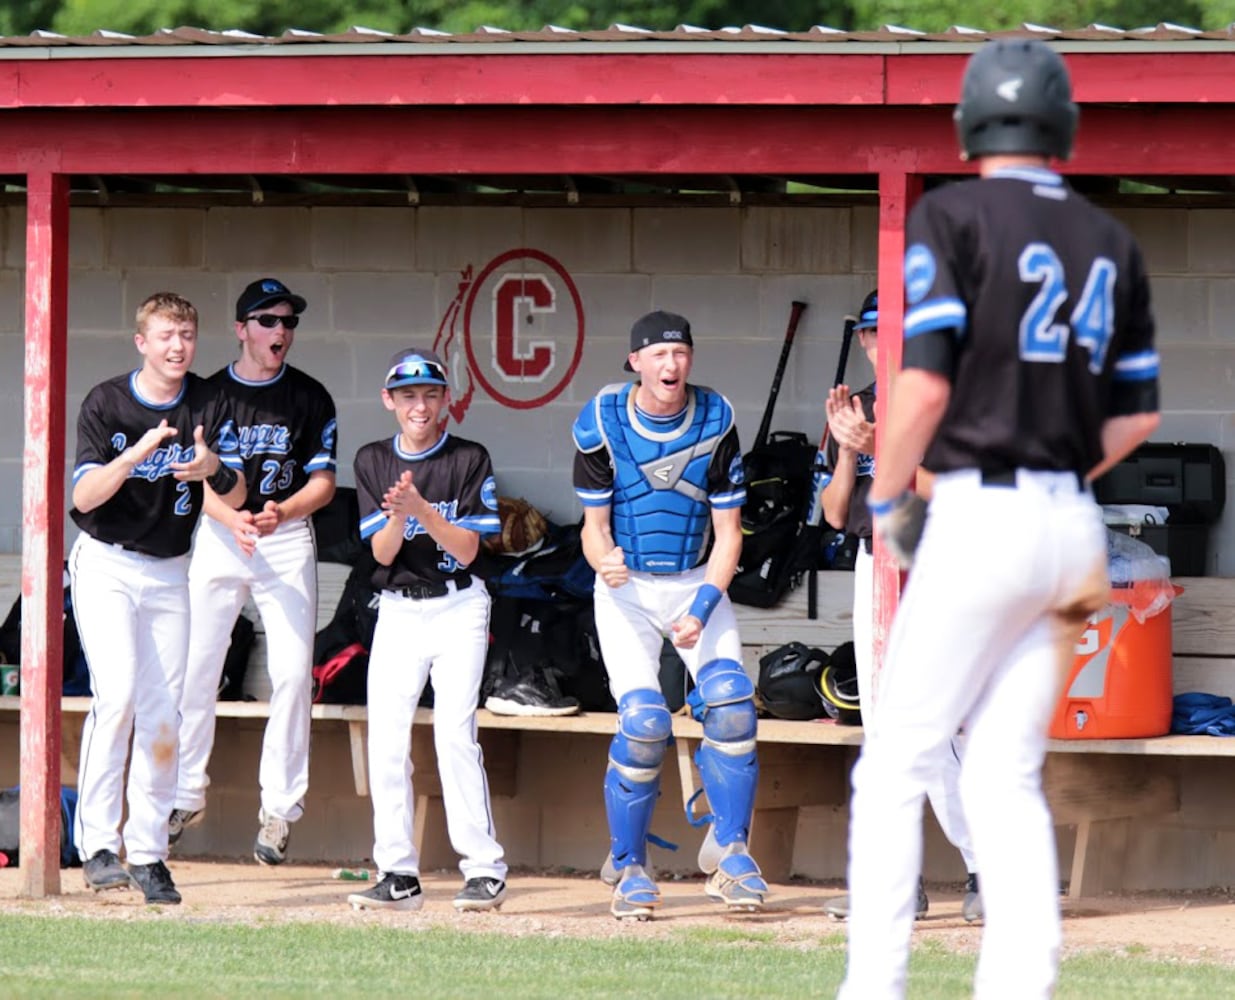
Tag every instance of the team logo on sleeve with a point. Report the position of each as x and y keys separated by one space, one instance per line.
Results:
x=328 y=433
x=919 y=273
x=737 y=471
x=488 y=494
x=119 y=441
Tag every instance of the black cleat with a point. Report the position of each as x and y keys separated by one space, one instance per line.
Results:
x=393 y=892
x=481 y=894
x=104 y=871
x=156 y=882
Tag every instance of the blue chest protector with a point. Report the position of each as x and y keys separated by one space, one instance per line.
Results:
x=660 y=513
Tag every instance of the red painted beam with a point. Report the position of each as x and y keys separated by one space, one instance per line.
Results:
x=255 y=80
x=822 y=78
x=42 y=557
x=776 y=141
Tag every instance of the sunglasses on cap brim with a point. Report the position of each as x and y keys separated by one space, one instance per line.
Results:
x=424 y=371
x=271 y=320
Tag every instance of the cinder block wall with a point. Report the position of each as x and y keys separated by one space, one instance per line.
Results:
x=381 y=278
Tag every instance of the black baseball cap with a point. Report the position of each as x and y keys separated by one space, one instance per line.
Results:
x=266 y=292
x=415 y=366
x=868 y=315
x=658 y=328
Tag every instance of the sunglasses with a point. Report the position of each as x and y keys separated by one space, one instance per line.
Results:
x=270 y=321
x=417 y=369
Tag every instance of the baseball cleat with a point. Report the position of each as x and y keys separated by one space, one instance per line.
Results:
x=737 y=881
x=393 y=892
x=838 y=908
x=104 y=871
x=155 y=881
x=180 y=820
x=971 y=906
x=481 y=894
x=636 y=896
x=270 y=848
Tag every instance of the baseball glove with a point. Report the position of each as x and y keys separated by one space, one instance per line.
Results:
x=522 y=527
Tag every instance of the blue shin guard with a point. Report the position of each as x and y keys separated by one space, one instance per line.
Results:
x=729 y=767
x=632 y=782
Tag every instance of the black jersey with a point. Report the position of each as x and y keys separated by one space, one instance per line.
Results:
x=152 y=512
x=454 y=475
x=283 y=429
x=858 y=517
x=1035 y=305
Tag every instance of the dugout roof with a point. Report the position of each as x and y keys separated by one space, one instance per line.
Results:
x=735 y=114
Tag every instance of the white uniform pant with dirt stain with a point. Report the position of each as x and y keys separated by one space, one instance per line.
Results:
x=132 y=613
x=986 y=628
x=281 y=577
x=443 y=639
x=943 y=790
x=633 y=620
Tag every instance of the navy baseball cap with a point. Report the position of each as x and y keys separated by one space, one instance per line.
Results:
x=868 y=315
x=416 y=366
x=658 y=328
x=266 y=292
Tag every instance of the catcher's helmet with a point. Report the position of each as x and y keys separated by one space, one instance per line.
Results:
x=789 y=681
x=868 y=315
x=1016 y=98
x=838 y=686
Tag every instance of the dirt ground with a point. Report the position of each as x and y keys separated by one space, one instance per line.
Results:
x=1196 y=926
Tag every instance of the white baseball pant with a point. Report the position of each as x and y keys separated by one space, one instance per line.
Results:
x=132 y=613
x=986 y=630
x=633 y=620
x=281 y=576
x=443 y=639
x=943 y=789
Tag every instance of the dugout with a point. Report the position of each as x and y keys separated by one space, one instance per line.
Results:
x=758 y=158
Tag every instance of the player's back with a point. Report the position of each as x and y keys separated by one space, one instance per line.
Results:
x=1048 y=291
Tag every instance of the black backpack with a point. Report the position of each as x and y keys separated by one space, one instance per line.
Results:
x=341 y=647
x=777 y=548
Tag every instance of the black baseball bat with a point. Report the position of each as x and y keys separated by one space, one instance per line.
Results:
x=765 y=425
x=814 y=513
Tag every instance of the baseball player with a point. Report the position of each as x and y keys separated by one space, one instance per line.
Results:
x=1029 y=368
x=283 y=425
x=850 y=461
x=146 y=441
x=659 y=472
x=425 y=498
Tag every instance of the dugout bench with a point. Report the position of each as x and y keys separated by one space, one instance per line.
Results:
x=1141 y=813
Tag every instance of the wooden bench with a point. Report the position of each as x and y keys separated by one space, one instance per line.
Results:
x=1098 y=786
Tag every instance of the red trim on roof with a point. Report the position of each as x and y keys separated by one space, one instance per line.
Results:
x=647 y=140
x=826 y=79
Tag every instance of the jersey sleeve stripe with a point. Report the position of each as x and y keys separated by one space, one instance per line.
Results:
x=484 y=524
x=82 y=469
x=320 y=461
x=1136 y=367
x=734 y=499
x=372 y=524
x=594 y=498
x=233 y=462
x=940 y=314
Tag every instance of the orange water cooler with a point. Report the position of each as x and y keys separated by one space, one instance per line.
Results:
x=1120 y=685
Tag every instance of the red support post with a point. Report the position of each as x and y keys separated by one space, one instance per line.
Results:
x=42 y=591
x=897 y=193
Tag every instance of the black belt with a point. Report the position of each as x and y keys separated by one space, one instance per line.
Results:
x=423 y=591
x=1006 y=478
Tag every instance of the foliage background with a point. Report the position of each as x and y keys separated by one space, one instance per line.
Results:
x=273 y=17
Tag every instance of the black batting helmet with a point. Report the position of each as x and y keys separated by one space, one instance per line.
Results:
x=1016 y=98
x=789 y=681
x=838 y=685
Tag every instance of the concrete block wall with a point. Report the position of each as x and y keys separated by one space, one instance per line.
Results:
x=378 y=279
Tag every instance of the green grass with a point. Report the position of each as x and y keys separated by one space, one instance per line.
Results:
x=45 y=956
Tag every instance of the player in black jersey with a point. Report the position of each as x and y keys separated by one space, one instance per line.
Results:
x=1029 y=368
x=283 y=425
x=426 y=497
x=146 y=441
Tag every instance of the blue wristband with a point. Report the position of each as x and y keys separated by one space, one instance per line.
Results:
x=881 y=507
x=705 y=602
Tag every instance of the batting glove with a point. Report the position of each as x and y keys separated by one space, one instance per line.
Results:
x=899 y=523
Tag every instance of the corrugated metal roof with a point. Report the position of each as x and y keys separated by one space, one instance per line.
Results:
x=617 y=33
